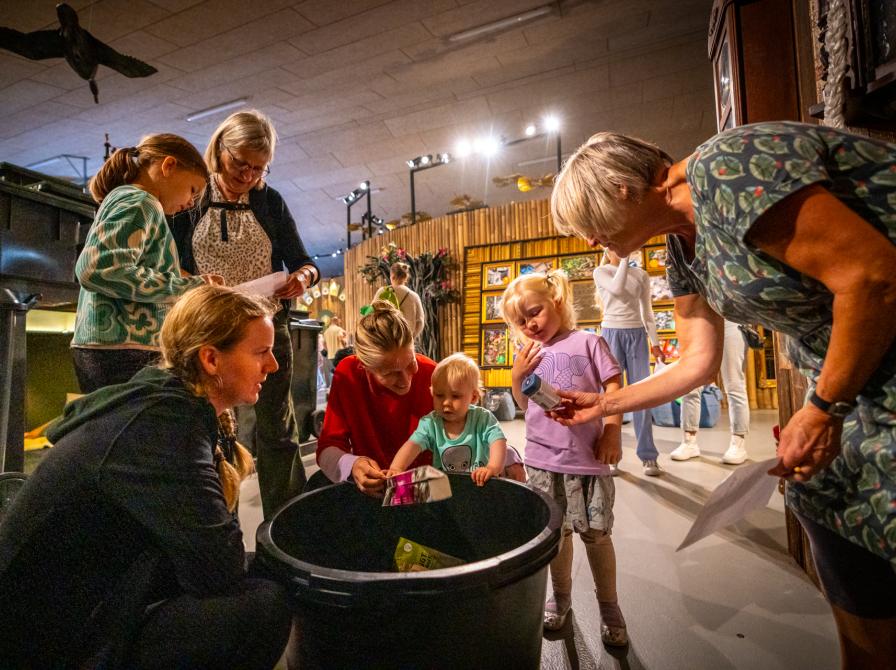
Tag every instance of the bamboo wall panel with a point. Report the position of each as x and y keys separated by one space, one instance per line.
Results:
x=456 y=232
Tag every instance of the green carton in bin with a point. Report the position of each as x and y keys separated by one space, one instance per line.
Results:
x=412 y=556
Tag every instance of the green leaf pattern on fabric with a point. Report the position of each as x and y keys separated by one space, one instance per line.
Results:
x=129 y=272
x=735 y=177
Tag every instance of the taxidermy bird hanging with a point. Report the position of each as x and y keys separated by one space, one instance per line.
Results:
x=80 y=49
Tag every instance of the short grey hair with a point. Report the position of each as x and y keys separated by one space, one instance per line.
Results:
x=603 y=173
x=250 y=129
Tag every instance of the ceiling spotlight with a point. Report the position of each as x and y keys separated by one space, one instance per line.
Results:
x=424 y=160
x=487 y=146
x=333 y=254
x=316 y=256
x=463 y=149
x=380 y=231
x=530 y=130
x=551 y=124
x=444 y=158
x=365 y=185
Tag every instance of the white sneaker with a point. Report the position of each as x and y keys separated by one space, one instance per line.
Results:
x=652 y=468
x=687 y=449
x=736 y=454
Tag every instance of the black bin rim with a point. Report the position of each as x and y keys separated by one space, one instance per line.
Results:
x=494 y=571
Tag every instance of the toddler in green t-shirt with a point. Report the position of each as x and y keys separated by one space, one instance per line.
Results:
x=462 y=436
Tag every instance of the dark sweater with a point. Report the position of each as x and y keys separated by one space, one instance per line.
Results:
x=126 y=509
x=273 y=216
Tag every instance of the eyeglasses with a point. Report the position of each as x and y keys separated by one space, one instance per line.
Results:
x=243 y=168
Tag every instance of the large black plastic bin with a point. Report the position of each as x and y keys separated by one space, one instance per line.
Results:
x=333 y=547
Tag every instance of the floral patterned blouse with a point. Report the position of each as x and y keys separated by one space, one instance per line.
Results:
x=734 y=178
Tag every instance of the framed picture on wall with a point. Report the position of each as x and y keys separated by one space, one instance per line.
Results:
x=659 y=289
x=589 y=328
x=669 y=347
x=636 y=260
x=655 y=259
x=496 y=275
x=495 y=347
x=579 y=267
x=491 y=307
x=665 y=320
x=536 y=265
x=584 y=301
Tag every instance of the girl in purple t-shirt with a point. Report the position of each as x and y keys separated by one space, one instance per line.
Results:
x=569 y=464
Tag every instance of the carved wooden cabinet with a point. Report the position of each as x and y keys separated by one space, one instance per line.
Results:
x=752 y=49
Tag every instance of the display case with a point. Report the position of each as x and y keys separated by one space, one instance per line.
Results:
x=752 y=49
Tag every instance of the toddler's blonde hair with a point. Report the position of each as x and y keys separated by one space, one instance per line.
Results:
x=553 y=286
x=458 y=371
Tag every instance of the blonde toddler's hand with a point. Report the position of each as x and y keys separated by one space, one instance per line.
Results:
x=482 y=475
x=525 y=362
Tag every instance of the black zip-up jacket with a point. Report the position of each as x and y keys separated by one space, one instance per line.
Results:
x=125 y=510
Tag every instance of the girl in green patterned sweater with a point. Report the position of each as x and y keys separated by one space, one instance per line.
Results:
x=129 y=270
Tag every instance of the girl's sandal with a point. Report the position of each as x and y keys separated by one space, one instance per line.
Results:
x=613 y=636
x=553 y=618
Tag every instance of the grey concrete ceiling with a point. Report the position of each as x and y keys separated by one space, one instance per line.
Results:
x=357 y=87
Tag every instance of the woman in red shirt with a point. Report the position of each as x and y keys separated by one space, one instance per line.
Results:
x=376 y=399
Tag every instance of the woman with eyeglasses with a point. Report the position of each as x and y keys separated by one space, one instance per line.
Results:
x=376 y=400
x=243 y=230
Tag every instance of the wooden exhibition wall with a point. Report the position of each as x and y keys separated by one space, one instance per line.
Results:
x=522 y=225
x=456 y=232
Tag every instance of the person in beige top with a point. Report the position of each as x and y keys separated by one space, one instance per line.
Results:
x=334 y=340
x=408 y=301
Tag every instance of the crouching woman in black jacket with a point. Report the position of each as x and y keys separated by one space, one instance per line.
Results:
x=123 y=548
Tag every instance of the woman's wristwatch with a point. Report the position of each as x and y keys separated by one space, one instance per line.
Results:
x=839 y=409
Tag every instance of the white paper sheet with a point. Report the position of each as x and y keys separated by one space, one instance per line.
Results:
x=265 y=286
x=746 y=489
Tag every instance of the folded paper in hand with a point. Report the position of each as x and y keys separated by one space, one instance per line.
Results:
x=746 y=489
x=265 y=286
x=420 y=485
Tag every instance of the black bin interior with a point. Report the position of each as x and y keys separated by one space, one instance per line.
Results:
x=340 y=528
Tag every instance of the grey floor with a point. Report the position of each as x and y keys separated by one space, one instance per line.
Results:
x=733 y=600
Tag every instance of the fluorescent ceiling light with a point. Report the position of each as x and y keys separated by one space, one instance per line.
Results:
x=501 y=24
x=223 y=107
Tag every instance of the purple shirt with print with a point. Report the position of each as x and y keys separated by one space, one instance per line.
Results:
x=577 y=361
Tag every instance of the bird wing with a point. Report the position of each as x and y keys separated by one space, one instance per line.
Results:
x=129 y=67
x=37 y=45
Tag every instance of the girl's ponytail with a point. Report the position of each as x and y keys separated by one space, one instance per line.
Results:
x=122 y=167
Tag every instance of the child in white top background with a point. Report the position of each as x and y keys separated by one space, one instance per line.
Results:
x=571 y=465
x=462 y=436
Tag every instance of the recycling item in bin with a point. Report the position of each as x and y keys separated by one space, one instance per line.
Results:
x=420 y=485
x=412 y=556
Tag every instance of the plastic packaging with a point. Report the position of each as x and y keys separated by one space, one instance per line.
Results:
x=541 y=393
x=420 y=485
x=412 y=556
